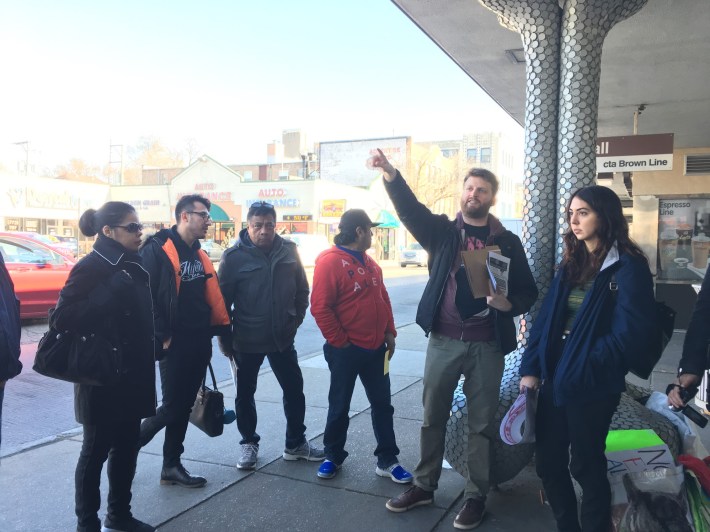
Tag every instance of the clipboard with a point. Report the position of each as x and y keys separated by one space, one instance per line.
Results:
x=477 y=270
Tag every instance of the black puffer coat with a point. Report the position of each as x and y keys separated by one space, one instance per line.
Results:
x=89 y=304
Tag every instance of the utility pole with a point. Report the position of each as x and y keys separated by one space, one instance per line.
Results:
x=115 y=158
x=26 y=145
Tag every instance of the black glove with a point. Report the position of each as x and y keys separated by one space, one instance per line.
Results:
x=120 y=281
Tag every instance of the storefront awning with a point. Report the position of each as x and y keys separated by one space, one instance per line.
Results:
x=387 y=220
x=217 y=214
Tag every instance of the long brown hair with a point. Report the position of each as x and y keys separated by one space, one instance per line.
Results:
x=580 y=265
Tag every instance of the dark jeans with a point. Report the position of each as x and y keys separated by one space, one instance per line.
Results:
x=2 y=396
x=117 y=441
x=288 y=373
x=581 y=429
x=345 y=366
x=181 y=372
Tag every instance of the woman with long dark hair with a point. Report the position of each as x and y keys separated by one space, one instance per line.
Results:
x=599 y=310
x=108 y=294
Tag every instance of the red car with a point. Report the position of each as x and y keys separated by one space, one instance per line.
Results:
x=37 y=271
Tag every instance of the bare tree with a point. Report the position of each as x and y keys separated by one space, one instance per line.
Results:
x=77 y=170
x=435 y=178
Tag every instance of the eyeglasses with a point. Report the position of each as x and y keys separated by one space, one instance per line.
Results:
x=202 y=214
x=258 y=204
x=132 y=227
x=269 y=226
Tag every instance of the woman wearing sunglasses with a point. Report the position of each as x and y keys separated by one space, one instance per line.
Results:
x=108 y=294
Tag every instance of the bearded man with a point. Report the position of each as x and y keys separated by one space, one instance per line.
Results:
x=468 y=335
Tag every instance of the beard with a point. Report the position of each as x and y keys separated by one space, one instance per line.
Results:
x=479 y=211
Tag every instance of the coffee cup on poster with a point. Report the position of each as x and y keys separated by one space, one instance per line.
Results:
x=681 y=262
x=701 y=250
x=684 y=232
x=667 y=248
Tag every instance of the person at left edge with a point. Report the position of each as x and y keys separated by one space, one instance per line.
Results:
x=107 y=293
x=10 y=330
x=188 y=311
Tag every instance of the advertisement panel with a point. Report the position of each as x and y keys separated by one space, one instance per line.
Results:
x=332 y=208
x=344 y=161
x=683 y=239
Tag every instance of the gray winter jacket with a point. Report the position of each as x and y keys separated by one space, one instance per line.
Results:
x=266 y=295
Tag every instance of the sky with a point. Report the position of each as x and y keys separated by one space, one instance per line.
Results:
x=80 y=75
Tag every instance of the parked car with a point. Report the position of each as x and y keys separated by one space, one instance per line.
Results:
x=37 y=271
x=309 y=246
x=414 y=254
x=213 y=250
x=70 y=243
x=48 y=240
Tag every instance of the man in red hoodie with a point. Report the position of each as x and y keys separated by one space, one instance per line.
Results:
x=352 y=309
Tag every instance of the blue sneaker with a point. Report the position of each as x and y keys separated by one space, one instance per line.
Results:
x=328 y=469
x=396 y=472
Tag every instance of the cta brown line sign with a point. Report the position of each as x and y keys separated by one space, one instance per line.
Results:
x=635 y=153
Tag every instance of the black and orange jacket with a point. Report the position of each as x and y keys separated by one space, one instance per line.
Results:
x=160 y=258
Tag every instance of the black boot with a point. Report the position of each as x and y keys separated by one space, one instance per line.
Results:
x=130 y=524
x=180 y=476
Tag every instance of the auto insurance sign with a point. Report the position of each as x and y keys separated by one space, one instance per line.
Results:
x=635 y=153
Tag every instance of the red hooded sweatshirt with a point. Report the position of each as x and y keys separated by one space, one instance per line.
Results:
x=349 y=300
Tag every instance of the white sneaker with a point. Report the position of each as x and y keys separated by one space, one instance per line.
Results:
x=305 y=451
x=249 y=453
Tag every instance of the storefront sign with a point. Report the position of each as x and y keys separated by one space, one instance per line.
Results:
x=297 y=217
x=332 y=208
x=277 y=202
x=209 y=191
x=51 y=200
x=635 y=153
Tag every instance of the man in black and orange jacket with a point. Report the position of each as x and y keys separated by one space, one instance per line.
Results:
x=188 y=311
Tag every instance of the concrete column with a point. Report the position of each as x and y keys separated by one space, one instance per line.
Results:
x=538 y=22
x=585 y=25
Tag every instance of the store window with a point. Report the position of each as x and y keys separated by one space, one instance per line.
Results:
x=485 y=155
x=471 y=154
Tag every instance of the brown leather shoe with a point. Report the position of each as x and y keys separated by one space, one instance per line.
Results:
x=414 y=496
x=471 y=514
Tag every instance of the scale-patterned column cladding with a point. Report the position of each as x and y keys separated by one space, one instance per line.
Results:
x=585 y=24
x=538 y=22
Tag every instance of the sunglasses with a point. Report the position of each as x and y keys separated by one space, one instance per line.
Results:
x=132 y=227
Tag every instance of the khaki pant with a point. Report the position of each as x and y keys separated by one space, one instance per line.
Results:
x=482 y=365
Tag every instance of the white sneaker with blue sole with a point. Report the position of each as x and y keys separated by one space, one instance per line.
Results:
x=395 y=472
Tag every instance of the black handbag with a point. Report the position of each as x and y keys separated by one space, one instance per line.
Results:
x=78 y=358
x=208 y=411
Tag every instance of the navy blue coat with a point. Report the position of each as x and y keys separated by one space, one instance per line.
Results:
x=10 y=327
x=605 y=333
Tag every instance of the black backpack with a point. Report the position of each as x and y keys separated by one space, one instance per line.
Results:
x=641 y=363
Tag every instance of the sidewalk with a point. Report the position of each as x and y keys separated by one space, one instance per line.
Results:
x=38 y=484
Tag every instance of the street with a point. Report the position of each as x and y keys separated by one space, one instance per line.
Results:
x=37 y=408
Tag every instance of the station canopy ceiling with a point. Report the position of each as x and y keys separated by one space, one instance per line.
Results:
x=660 y=57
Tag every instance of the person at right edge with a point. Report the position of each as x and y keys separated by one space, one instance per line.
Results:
x=467 y=335
x=694 y=360
x=188 y=311
x=577 y=354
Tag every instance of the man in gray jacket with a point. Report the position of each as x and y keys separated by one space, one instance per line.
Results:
x=266 y=292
